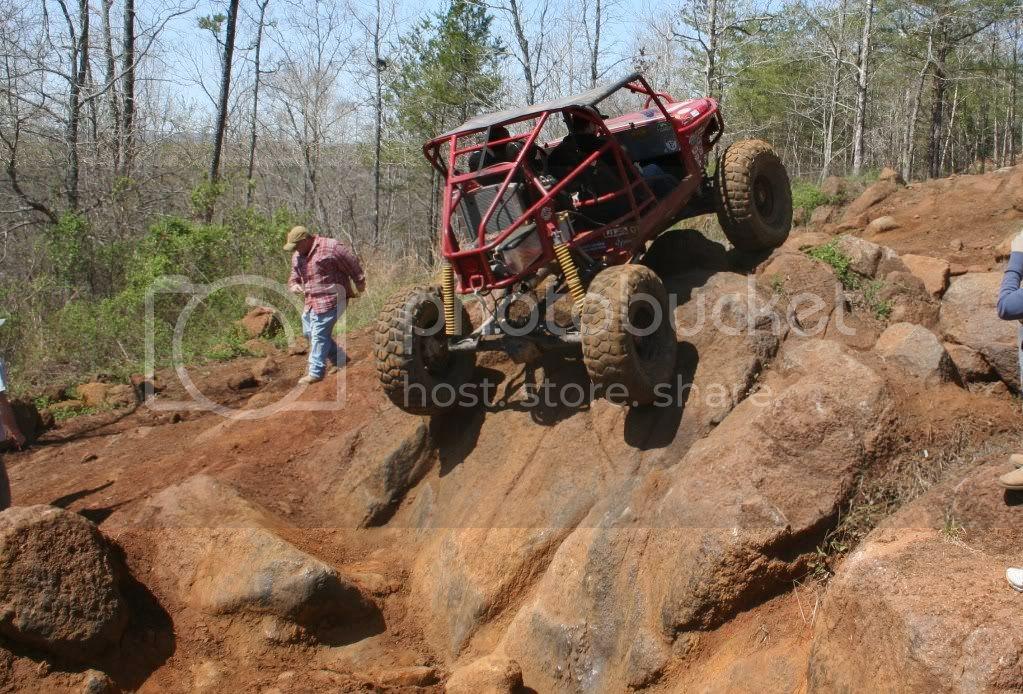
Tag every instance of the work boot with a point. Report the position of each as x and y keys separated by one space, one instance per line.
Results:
x=1015 y=578
x=1016 y=459
x=1012 y=480
x=309 y=379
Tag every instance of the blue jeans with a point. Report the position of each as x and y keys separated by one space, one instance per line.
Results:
x=319 y=328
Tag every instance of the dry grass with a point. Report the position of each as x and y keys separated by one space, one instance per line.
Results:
x=881 y=492
x=384 y=276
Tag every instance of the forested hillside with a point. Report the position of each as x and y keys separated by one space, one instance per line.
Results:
x=142 y=139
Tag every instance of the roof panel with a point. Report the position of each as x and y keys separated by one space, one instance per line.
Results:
x=590 y=97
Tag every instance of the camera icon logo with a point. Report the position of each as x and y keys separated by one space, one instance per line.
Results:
x=179 y=295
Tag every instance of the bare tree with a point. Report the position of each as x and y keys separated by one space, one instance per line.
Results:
x=254 y=121
x=128 y=88
x=376 y=29
x=528 y=53
x=225 y=92
x=707 y=27
x=862 y=82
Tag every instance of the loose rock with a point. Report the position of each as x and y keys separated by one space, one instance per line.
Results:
x=935 y=273
x=58 y=583
x=881 y=225
x=968 y=317
x=261 y=321
x=917 y=351
x=492 y=674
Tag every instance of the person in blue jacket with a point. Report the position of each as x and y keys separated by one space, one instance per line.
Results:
x=1010 y=307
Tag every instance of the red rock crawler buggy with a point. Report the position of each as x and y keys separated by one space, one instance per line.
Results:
x=521 y=206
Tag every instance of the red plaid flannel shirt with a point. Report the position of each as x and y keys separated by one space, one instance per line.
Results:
x=328 y=270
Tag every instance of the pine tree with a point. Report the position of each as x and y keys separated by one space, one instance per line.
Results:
x=448 y=71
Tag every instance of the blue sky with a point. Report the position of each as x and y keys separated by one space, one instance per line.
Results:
x=190 y=53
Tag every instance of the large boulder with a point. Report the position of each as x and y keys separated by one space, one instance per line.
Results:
x=890 y=174
x=30 y=420
x=908 y=299
x=834 y=187
x=220 y=554
x=491 y=674
x=969 y=317
x=376 y=478
x=970 y=364
x=881 y=225
x=93 y=394
x=864 y=256
x=685 y=548
x=917 y=351
x=922 y=604
x=252 y=571
x=59 y=588
x=933 y=272
x=822 y=215
x=875 y=194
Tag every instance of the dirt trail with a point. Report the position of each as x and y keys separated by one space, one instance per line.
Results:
x=592 y=547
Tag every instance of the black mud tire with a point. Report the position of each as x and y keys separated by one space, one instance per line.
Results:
x=753 y=196
x=613 y=354
x=411 y=365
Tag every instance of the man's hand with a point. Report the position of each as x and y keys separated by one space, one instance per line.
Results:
x=296 y=289
x=1017 y=243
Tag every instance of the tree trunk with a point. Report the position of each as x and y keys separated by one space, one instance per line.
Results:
x=128 y=111
x=937 y=114
x=907 y=159
x=378 y=121
x=836 y=83
x=1011 y=121
x=111 y=79
x=595 y=44
x=710 y=68
x=79 y=69
x=255 y=104
x=862 y=82
x=523 y=42
x=225 y=92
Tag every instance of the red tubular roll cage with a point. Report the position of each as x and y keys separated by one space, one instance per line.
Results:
x=471 y=265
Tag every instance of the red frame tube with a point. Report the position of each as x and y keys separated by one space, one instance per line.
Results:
x=472 y=267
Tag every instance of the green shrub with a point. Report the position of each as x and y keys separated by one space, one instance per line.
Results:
x=829 y=253
x=808 y=196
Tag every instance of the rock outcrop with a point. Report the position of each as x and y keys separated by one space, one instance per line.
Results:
x=683 y=549
x=922 y=604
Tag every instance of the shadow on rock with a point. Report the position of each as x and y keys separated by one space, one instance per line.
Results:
x=148 y=640
x=678 y=251
x=655 y=426
x=68 y=499
x=455 y=435
x=551 y=389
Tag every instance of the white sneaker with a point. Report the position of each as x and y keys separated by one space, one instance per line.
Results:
x=1015 y=578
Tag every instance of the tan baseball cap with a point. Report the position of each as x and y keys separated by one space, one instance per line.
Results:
x=294 y=236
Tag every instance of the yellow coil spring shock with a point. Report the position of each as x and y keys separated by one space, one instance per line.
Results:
x=568 y=268
x=447 y=288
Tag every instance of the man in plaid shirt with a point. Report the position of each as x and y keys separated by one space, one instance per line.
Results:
x=322 y=269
